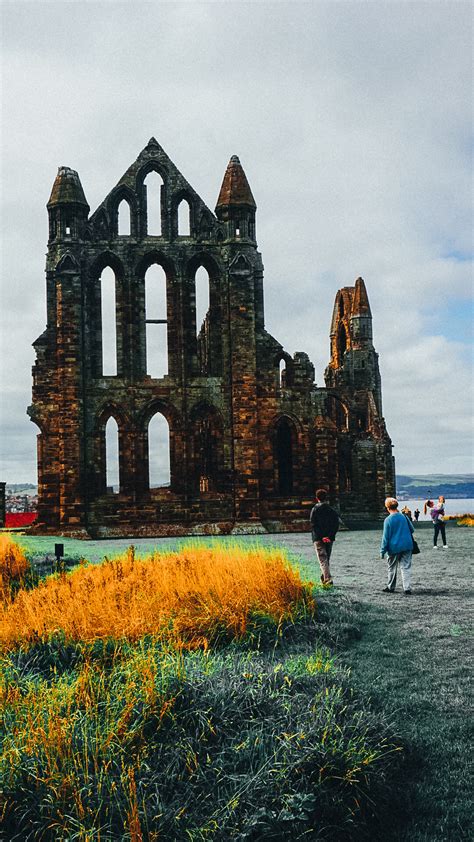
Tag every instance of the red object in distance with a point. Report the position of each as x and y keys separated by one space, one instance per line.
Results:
x=16 y=519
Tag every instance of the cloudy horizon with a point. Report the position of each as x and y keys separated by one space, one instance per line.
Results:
x=353 y=123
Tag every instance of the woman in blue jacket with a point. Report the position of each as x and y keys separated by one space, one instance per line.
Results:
x=397 y=542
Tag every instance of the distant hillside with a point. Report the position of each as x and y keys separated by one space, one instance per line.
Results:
x=429 y=485
x=21 y=488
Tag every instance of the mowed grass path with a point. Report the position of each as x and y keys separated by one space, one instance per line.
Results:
x=414 y=658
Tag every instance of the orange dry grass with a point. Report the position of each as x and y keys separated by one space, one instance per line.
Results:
x=13 y=565
x=462 y=520
x=466 y=520
x=188 y=597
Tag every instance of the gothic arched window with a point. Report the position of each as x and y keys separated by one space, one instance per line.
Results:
x=184 y=218
x=282 y=373
x=153 y=185
x=123 y=212
x=159 y=472
x=202 y=297
x=156 y=322
x=109 y=322
x=201 y=285
x=112 y=463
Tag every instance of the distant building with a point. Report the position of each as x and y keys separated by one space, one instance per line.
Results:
x=248 y=434
x=21 y=503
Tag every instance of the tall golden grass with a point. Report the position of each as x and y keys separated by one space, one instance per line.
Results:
x=13 y=565
x=462 y=520
x=188 y=597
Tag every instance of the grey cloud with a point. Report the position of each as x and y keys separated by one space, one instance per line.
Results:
x=350 y=120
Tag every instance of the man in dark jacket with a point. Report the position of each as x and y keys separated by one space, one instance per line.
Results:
x=324 y=525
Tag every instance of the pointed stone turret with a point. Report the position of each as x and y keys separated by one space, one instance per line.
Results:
x=353 y=360
x=236 y=205
x=361 y=317
x=67 y=206
x=360 y=301
x=67 y=189
x=235 y=188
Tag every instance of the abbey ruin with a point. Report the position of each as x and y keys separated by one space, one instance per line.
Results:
x=246 y=434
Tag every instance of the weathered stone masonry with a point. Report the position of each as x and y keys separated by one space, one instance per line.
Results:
x=250 y=434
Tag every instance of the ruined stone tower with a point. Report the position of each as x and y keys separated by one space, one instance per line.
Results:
x=246 y=435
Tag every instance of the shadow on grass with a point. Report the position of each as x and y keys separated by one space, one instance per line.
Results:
x=408 y=672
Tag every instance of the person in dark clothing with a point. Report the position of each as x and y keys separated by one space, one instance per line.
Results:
x=324 y=526
x=416 y=514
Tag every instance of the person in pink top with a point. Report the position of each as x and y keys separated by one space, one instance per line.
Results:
x=437 y=517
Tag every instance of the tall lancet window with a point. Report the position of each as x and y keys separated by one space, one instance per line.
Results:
x=112 y=469
x=282 y=374
x=184 y=218
x=109 y=322
x=201 y=284
x=156 y=322
x=153 y=186
x=123 y=212
x=159 y=452
x=202 y=297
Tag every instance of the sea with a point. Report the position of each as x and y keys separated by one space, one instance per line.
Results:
x=454 y=506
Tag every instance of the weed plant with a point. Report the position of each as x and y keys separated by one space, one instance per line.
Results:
x=15 y=569
x=231 y=729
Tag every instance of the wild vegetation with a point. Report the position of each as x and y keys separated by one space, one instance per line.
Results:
x=185 y=696
x=191 y=598
x=15 y=569
x=461 y=520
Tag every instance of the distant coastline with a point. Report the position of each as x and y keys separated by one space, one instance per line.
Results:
x=454 y=486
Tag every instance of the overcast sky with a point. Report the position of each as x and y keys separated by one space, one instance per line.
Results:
x=354 y=126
